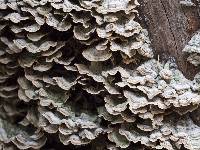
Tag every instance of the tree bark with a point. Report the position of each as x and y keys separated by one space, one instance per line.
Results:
x=171 y=26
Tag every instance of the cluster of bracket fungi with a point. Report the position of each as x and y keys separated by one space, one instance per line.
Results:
x=81 y=74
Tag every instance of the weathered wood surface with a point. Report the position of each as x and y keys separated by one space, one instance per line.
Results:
x=171 y=26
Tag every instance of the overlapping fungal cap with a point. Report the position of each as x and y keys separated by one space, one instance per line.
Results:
x=118 y=31
x=8 y=59
x=77 y=126
x=150 y=92
x=78 y=70
x=78 y=130
x=8 y=86
x=104 y=26
x=46 y=90
x=193 y=48
x=60 y=110
x=171 y=135
x=23 y=138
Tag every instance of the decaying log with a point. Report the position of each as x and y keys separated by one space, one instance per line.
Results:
x=171 y=25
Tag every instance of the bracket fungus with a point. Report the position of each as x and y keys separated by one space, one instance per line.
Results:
x=83 y=71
